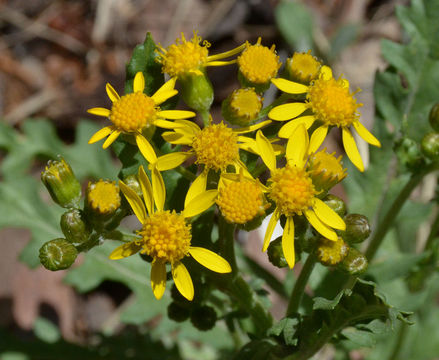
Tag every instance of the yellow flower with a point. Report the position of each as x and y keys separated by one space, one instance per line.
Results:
x=242 y=106
x=215 y=147
x=132 y=113
x=292 y=190
x=303 y=67
x=166 y=235
x=331 y=104
x=189 y=57
x=326 y=169
x=103 y=197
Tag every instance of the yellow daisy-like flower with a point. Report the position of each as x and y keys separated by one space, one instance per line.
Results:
x=331 y=104
x=189 y=57
x=215 y=147
x=292 y=190
x=134 y=112
x=166 y=235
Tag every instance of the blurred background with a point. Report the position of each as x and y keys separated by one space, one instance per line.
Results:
x=56 y=56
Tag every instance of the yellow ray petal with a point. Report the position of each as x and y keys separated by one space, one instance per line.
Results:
x=265 y=150
x=125 y=250
x=135 y=201
x=139 y=82
x=161 y=97
x=287 y=129
x=158 y=278
x=200 y=203
x=327 y=215
x=317 y=224
x=183 y=280
x=172 y=160
x=146 y=149
x=288 y=242
x=289 y=87
x=197 y=187
x=176 y=114
x=325 y=72
x=112 y=94
x=146 y=187
x=220 y=63
x=158 y=189
x=99 y=135
x=270 y=228
x=252 y=128
x=111 y=139
x=317 y=138
x=188 y=125
x=351 y=149
x=287 y=111
x=176 y=138
x=365 y=134
x=226 y=54
x=99 y=111
x=297 y=147
x=210 y=260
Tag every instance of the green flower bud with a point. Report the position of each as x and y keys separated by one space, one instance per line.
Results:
x=61 y=183
x=430 y=146
x=354 y=263
x=409 y=153
x=242 y=107
x=74 y=228
x=433 y=118
x=276 y=254
x=57 y=254
x=177 y=312
x=336 y=204
x=357 y=228
x=204 y=317
x=178 y=298
x=331 y=253
x=197 y=91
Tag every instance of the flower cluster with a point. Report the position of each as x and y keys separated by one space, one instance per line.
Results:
x=244 y=163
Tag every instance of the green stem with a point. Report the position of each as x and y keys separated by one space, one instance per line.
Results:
x=401 y=336
x=394 y=210
x=280 y=100
x=189 y=175
x=226 y=233
x=205 y=117
x=120 y=236
x=299 y=286
x=432 y=235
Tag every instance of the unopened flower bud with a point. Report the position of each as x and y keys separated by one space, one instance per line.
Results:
x=204 y=317
x=242 y=106
x=357 y=228
x=354 y=263
x=177 y=312
x=197 y=91
x=74 y=228
x=326 y=170
x=58 y=254
x=103 y=198
x=336 y=204
x=331 y=253
x=433 y=118
x=430 y=146
x=132 y=182
x=276 y=254
x=303 y=67
x=409 y=153
x=61 y=183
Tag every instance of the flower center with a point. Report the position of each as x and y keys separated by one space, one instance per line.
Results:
x=132 y=112
x=216 y=146
x=258 y=63
x=303 y=67
x=183 y=56
x=246 y=104
x=332 y=102
x=103 y=196
x=292 y=190
x=240 y=202
x=166 y=236
x=326 y=170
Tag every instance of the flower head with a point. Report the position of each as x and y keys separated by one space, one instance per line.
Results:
x=326 y=169
x=242 y=106
x=132 y=113
x=166 y=235
x=303 y=67
x=332 y=104
x=103 y=197
x=292 y=190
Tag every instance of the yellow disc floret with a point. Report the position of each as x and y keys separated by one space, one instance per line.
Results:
x=303 y=67
x=326 y=170
x=259 y=64
x=330 y=252
x=184 y=56
x=245 y=105
x=103 y=197
x=241 y=201
x=166 y=236
x=292 y=190
x=216 y=146
x=133 y=112
x=332 y=103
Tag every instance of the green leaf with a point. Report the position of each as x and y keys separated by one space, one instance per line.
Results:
x=46 y=331
x=344 y=36
x=286 y=327
x=360 y=337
